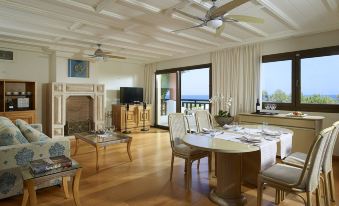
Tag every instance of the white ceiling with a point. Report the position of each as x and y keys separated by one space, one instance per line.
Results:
x=141 y=29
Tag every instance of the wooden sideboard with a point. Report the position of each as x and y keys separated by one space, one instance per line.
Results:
x=305 y=128
x=14 y=91
x=135 y=117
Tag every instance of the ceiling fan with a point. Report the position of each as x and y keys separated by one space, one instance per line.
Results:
x=216 y=17
x=100 y=55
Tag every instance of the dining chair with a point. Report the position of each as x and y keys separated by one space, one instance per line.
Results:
x=178 y=128
x=296 y=180
x=203 y=119
x=298 y=159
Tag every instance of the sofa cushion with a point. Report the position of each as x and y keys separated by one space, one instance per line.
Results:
x=9 y=133
x=31 y=134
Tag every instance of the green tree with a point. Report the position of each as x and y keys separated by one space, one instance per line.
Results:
x=280 y=97
x=317 y=99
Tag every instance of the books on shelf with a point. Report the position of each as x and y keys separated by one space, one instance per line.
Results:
x=47 y=164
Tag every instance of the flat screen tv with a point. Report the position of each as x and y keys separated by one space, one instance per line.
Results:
x=131 y=95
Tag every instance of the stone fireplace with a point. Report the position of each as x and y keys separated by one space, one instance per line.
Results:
x=75 y=108
x=79 y=114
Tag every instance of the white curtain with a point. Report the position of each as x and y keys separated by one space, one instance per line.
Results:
x=236 y=74
x=149 y=91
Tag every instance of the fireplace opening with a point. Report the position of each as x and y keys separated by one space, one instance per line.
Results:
x=79 y=115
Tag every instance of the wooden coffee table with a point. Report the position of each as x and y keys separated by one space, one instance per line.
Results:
x=98 y=142
x=31 y=180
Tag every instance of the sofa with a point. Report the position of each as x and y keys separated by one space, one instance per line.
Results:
x=18 y=147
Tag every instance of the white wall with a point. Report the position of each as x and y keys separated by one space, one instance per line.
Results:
x=115 y=74
x=28 y=66
x=273 y=47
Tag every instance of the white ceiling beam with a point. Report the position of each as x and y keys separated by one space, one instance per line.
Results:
x=77 y=4
x=87 y=19
x=331 y=5
x=57 y=39
x=279 y=13
x=75 y=26
x=180 y=5
x=251 y=28
x=103 y=4
x=144 y=6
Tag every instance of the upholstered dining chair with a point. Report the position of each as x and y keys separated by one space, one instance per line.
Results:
x=292 y=179
x=298 y=159
x=178 y=129
x=203 y=120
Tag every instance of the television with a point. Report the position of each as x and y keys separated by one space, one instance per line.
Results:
x=129 y=95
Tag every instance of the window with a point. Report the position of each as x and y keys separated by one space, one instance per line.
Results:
x=305 y=80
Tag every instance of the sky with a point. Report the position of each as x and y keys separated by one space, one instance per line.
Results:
x=195 y=82
x=319 y=75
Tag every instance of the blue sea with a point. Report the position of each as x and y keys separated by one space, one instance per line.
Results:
x=206 y=97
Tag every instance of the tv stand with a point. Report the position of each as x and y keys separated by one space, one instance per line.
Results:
x=134 y=117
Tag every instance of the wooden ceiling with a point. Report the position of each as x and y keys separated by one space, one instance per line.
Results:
x=141 y=30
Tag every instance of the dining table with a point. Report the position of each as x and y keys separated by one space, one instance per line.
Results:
x=229 y=146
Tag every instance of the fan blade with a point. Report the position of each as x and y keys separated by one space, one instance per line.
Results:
x=220 y=29
x=115 y=57
x=226 y=8
x=200 y=25
x=243 y=18
x=106 y=52
x=188 y=15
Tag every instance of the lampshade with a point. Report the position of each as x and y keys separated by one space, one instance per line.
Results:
x=214 y=23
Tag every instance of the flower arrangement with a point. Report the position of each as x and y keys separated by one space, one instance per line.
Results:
x=220 y=100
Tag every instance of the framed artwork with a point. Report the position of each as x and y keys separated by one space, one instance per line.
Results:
x=78 y=68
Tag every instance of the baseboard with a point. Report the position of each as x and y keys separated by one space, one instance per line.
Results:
x=335 y=158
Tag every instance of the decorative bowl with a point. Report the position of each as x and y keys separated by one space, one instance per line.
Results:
x=223 y=120
x=15 y=93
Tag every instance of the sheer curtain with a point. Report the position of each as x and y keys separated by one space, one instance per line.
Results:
x=149 y=91
x=236 y=74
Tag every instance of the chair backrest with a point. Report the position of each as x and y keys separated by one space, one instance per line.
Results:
x=327 y=163
x=178 y=128
x=203 y=120
x=312 y=166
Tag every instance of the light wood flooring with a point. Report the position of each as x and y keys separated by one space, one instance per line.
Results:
x=145 y=181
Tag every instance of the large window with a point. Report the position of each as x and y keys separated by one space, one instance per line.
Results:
x=304 y=80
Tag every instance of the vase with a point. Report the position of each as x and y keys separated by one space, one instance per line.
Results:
x=223 y=120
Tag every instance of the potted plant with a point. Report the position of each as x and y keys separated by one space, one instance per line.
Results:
x=224 y=116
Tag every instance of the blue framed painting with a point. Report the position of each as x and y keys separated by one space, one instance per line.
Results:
x=78 y=68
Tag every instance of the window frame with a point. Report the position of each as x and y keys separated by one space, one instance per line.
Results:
x=296 y=58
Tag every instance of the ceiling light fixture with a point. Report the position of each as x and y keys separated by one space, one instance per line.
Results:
x=214 y=23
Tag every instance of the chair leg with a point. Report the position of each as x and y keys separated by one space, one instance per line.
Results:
x=308 y=198
x=282 y=195
x=198 y=165
x=185 y=166
x=189 y=173
x=326 y=188
x=277 y=196
x=172 y=162
x=259 y=192
x=317 y=196
x=332 y=188
x=210 y=162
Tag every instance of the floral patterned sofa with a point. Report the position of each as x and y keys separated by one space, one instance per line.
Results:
x=17 y=154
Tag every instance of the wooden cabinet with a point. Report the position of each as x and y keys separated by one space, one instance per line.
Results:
x=17 y=100
x=305 y=129
x=133 y=118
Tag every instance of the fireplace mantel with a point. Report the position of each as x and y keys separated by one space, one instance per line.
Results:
x=58 y=94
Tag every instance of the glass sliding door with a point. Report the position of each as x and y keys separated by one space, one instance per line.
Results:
x=182 y=90
x=195 y=89
x=166 y=94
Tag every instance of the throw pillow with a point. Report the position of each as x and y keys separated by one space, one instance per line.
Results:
x=9 y=133
x=31 y=134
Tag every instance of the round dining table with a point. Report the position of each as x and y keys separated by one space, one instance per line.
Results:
x=229 y=163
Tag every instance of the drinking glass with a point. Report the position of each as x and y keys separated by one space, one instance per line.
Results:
x=264 y=126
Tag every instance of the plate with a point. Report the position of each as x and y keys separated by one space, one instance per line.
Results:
x=271 y=132
x=293 y=115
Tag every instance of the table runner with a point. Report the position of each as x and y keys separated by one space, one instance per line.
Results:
x=268 y=148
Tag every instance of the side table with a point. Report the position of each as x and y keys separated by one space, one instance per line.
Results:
x=30 y=181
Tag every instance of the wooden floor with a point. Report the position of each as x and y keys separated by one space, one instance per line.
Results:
x=145 y=181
